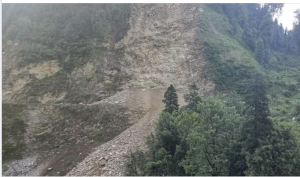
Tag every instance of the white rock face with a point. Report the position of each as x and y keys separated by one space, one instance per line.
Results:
x=161 y=47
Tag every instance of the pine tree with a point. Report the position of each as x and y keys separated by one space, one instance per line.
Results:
x=256 y=128
x=296 y=31
x=267 y=55
x=260 y=51
x=171 y=100
x=210 y=137
x=249 y=37
x=192 y=98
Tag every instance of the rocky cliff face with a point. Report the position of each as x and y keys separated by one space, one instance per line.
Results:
x=162 y=47
x=94 y=78
x=67 y=113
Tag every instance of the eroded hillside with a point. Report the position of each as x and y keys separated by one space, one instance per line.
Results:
x=162 y=46
x=73 y=102
x=83 y=83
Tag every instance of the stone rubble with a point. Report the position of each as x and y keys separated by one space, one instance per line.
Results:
x=20 y=166
x=108 y=158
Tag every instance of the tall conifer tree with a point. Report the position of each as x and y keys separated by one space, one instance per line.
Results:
x=171 y=100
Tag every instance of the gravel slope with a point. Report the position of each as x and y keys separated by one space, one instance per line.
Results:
x=108 y=158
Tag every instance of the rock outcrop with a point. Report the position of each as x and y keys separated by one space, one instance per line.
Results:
x=162 y=47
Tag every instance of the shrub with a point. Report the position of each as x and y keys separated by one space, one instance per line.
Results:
x=13 y=129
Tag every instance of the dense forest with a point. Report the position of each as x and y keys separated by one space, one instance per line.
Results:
x=250 y=129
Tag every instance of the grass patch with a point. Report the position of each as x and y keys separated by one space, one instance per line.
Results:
x=229 y=63
x=227 y=75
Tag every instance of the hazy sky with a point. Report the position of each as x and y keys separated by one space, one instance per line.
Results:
x=287 y=17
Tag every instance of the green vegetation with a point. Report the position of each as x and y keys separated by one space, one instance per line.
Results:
x=284 y=86
x=192 y=98
x=178 y=147
x=55 y=31
x=227 y=75
x=213 y=138
x=13 y=129
x=275 y=54
x=253 y=129
x=171 y=100
x=229 y=63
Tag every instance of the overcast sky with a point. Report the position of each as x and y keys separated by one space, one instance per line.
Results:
x=287 y=17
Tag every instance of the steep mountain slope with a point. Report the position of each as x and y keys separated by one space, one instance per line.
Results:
x=62 y=101
x=59 y=53
x=163 y=47
x=83 y=84
x=49 y=90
